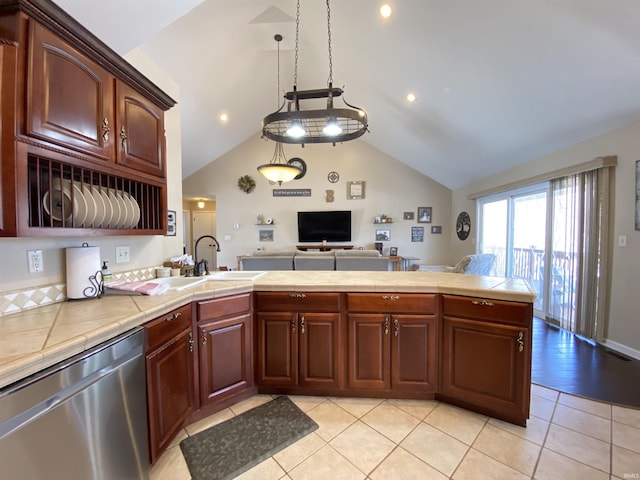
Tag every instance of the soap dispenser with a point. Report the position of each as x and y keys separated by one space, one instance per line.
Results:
x=106 y=273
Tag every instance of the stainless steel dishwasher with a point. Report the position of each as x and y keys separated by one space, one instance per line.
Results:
x=84 y=418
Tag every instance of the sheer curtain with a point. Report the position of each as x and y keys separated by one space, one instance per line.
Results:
x=580 y=252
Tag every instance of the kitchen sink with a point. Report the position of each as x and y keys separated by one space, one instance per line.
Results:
x=235 y=275
x=179 y=283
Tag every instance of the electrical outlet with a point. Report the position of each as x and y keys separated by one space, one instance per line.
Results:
x=122 y=254
x=35 y=261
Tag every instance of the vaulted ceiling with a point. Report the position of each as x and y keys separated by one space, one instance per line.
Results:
x=498 y=82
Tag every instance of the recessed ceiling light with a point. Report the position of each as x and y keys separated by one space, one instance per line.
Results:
x=385 y=10
x=411 y=97
x=224 y=118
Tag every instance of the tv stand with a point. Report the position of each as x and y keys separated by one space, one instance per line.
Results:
x=323 y=248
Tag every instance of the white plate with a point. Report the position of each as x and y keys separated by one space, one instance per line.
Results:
x=128 y=208
x=136 y=210
x=74 y=204
x=101 y=208
x=116 y=209
x=92 y=208
x=108 y=208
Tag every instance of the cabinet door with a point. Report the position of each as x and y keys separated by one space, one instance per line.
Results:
x=368 y=351
x=277 y=359
x=224 y=357
x=319 y=349
x=140 y=132
x=487 y=366
x=169 y=389
x=414 y=352
x=69 y=97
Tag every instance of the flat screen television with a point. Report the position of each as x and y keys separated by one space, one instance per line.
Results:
x=332 y=226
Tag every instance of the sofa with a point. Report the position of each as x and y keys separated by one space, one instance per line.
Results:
x=479 y=264
x=351 y=260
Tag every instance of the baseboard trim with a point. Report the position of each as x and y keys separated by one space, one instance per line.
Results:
x=623 y=349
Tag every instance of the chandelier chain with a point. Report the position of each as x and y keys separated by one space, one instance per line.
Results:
x=330 y=81
x=295 y=68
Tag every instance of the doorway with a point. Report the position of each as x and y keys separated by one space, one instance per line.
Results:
x=204 y=223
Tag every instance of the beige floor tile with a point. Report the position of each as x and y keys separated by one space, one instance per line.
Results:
x=457 y=422
x=358 y=407
x=544 y=392
x=326 y=464
x=363 y=446
x=477 y=466
x=209 y=421
x=628 y=416
x=267 y=470
x=416 y=408
x=586 y=405
x=305 y=402
x=250 y=403
x=583 y=422
x=626 y=437
x=299 y=451
x=535 y=431
x=401 y=465
x=390 y=421
x=507 y=448
x=577 y=446
x=436 y=448
x=625 y=463
x=541 y=407
x=553 y=466
x=331 y=419
x=170 y=465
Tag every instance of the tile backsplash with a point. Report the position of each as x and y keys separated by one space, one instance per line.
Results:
x=34 y=297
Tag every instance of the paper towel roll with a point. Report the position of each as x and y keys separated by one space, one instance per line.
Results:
x=82 y=264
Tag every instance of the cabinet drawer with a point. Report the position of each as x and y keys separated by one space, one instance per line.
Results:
x=391 y=302
x=297 y=302
x=167 y=326
x=223 y=307
x=485 y=309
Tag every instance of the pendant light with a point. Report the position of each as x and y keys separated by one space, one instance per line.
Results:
x=278 y=170
x=329 y=125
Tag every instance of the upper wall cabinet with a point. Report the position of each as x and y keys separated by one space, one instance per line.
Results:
x=82 y=137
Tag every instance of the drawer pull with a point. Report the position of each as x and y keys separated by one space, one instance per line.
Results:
x=486 y=303
x=191 y=342
x=203 y=337
x=293 y=325
x=297 y=295
x=105 y=129
x=396 y=327
x=173 y=316
x=386 y=325
x=302 y=325
x=520 y=341
x=123 y=136
x=390 y=297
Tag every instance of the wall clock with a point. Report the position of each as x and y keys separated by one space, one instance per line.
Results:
x=298 y=162
x=463 y=225
x=333 y=177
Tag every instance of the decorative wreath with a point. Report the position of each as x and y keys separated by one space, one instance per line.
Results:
x=246 y=184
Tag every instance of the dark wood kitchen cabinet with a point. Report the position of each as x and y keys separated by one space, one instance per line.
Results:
x=486 y=356
x=169 y=355
x=298 y=340
x=224 y=348
x=392 y=342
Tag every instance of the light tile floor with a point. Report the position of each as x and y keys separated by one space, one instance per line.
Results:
x=567 y=437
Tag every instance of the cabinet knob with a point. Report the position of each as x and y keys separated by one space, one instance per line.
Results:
x=386 y=325
x=520 y=341
x=203 y=337
x=293 y=325
x=302 y=324
x=396 y=327
x=105 y=129
x=191 y=342
x=123 y=136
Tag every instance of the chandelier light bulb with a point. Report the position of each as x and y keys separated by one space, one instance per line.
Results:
x=295 y=130
x=332 y=128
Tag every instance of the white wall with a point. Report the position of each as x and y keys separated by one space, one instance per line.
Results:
x=624 y=319
x=391 y=188
x=144 y=251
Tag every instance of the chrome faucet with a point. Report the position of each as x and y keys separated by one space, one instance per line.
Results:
x=202 y=267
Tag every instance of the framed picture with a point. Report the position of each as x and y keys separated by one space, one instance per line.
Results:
x=417 y=234
x=393 y=251
x=407 y=216
x=424 y=214
x=383 y=235
x=435 y=229
x=355 y=190
x=265 y=235
x=171 y=223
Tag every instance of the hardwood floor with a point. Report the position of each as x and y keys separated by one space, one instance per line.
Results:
x=567 y=363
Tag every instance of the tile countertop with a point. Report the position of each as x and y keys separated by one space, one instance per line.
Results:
x=35 y=339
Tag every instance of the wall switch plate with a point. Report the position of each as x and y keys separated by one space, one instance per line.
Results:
x=236 y=226
x=35 y=261
x=227 y=237
x=622 y=240
x=122 y=254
